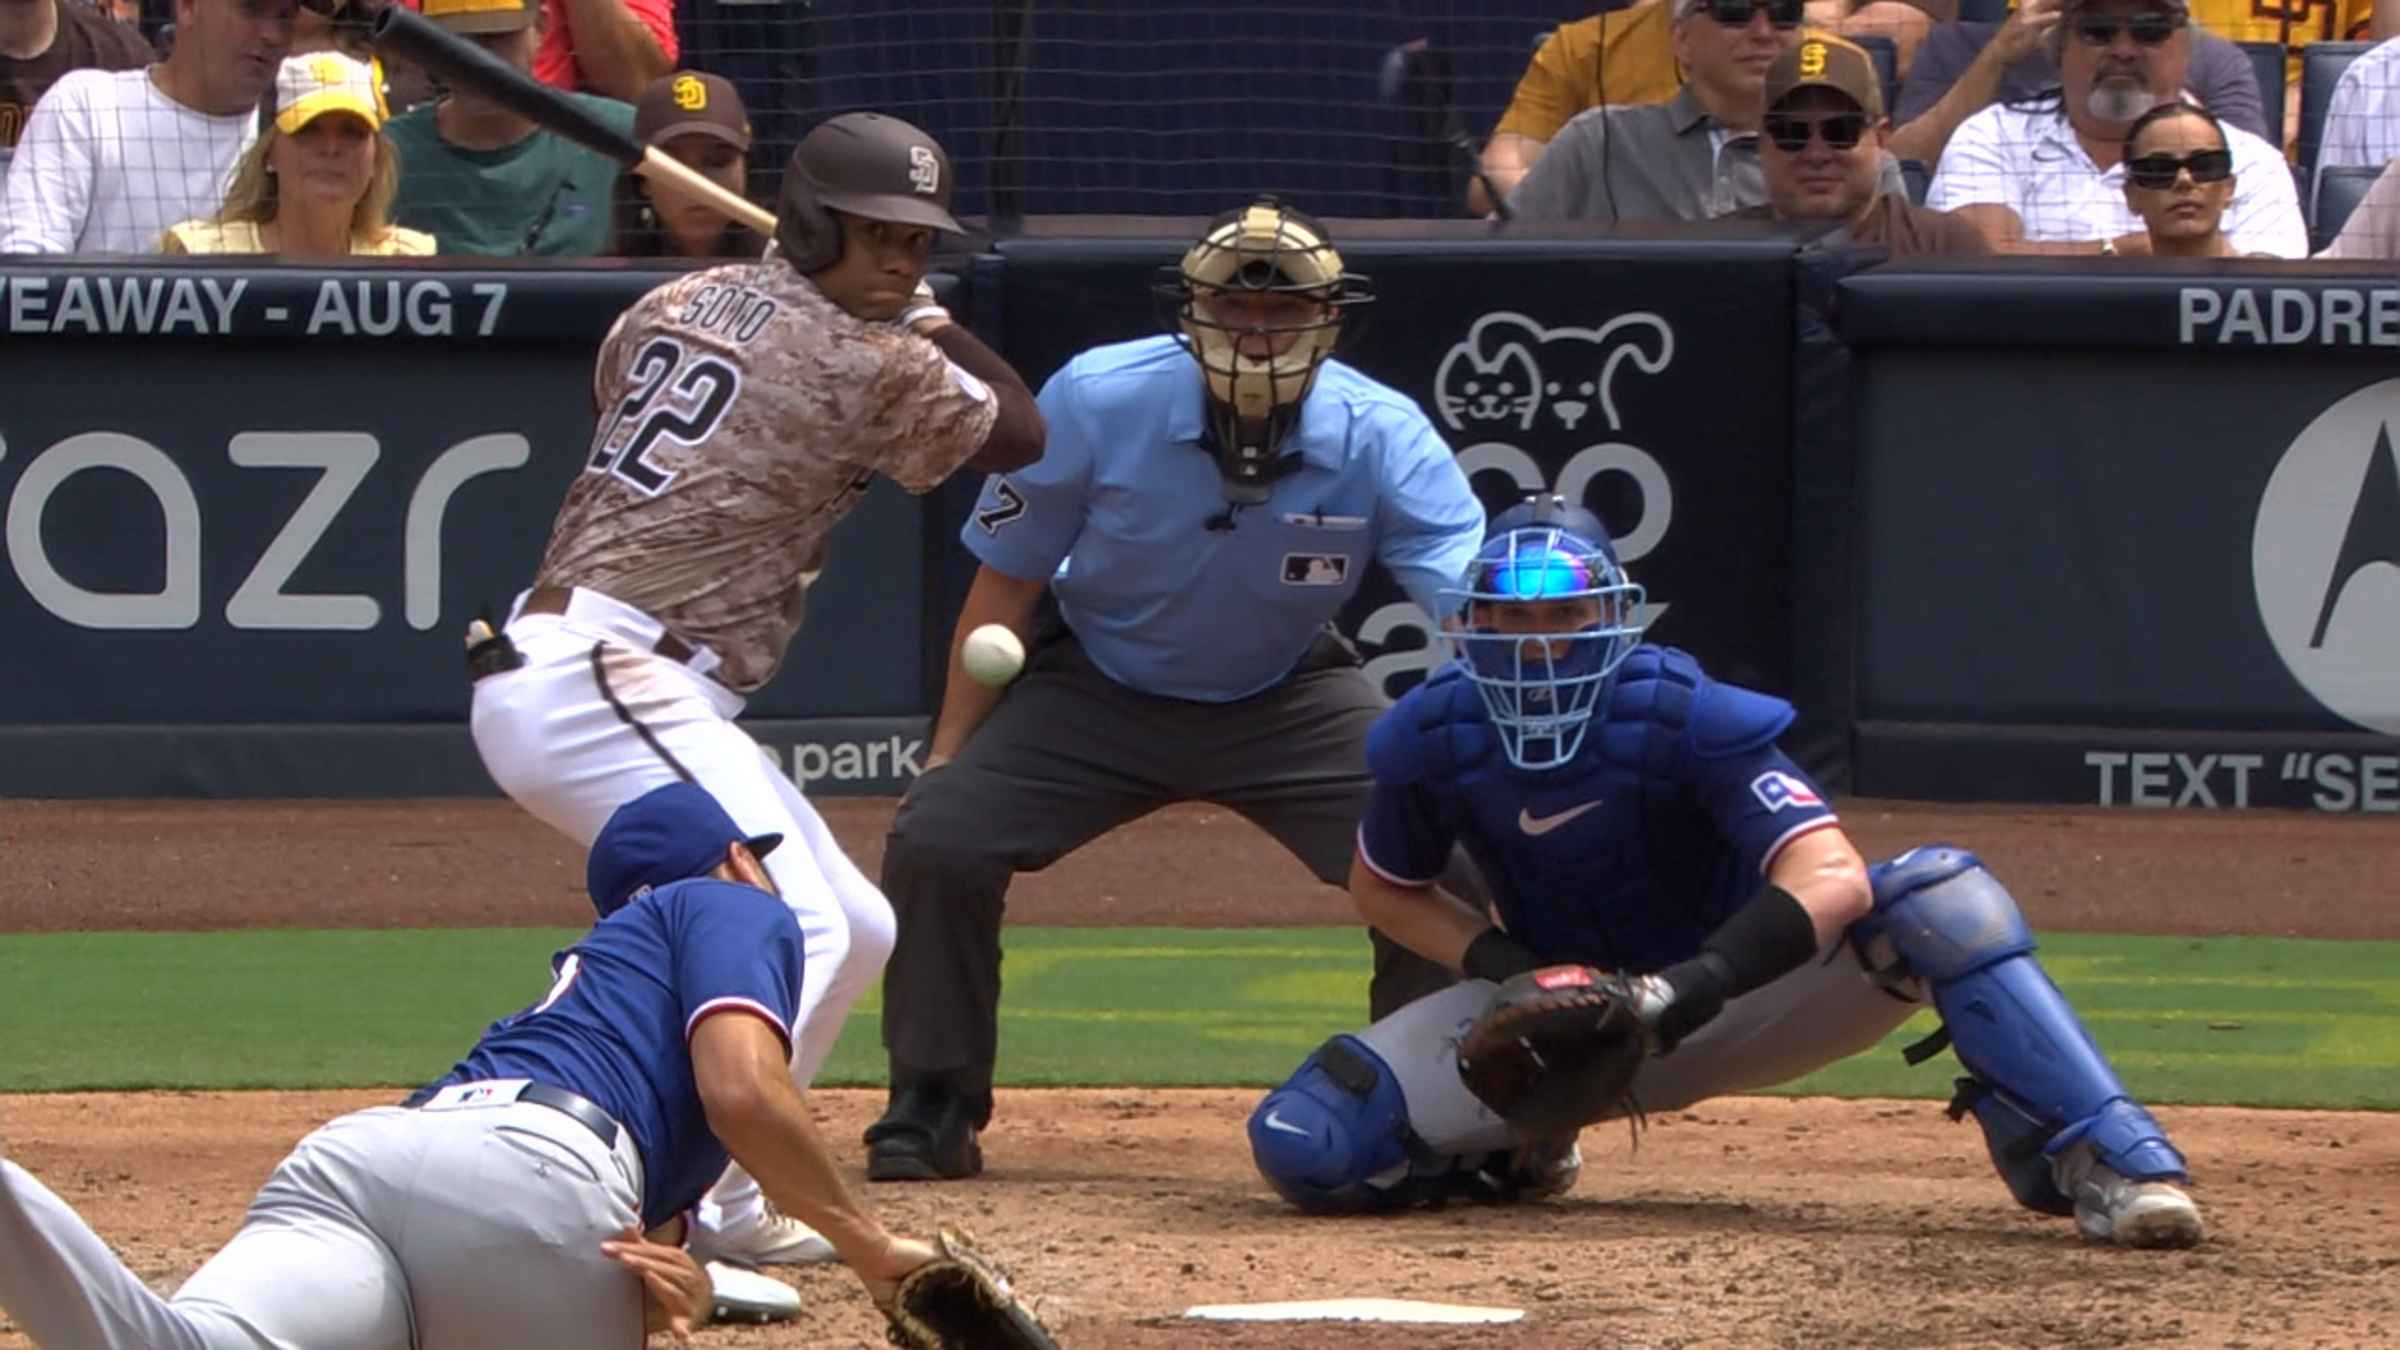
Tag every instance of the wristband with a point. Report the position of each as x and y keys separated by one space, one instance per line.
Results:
x=1496 y=956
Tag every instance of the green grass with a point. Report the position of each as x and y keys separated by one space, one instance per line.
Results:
x=2249 y=1021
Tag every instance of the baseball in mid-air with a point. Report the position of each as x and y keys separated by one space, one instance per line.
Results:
x=992 y=655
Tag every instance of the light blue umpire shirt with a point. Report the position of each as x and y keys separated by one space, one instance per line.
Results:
x=1116 y=512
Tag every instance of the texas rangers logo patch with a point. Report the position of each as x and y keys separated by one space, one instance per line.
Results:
x=1776 y=790
x=1315 y=569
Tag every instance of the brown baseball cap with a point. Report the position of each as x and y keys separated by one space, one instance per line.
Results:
x=1823 y=61
x=483 y=16
x=691 y=102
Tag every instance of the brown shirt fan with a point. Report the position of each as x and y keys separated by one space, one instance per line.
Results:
x=86 y=40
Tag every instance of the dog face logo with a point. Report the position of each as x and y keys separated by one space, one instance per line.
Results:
x=1509 y=369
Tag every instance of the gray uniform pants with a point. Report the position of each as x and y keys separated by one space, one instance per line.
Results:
x=386 y=1229
x=1070 y=754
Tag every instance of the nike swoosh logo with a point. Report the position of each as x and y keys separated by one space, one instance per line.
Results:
x=1541 y=825
x=1275 y=1122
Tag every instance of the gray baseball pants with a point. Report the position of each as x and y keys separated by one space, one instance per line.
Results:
x=387 y=1229
x=1070 y=754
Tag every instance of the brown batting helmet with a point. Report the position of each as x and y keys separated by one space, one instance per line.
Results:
x=861 y=164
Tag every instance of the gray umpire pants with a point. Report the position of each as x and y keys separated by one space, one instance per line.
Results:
x=1070 y=754
x=387 y=1229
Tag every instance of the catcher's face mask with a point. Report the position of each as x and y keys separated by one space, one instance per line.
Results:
x=1259 y=302
x=1545 y=619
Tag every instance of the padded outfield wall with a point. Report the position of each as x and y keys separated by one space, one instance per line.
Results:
x=2004 y=532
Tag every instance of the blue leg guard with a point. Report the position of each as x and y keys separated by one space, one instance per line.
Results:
x=2039 y=1084
x=1335 y=1139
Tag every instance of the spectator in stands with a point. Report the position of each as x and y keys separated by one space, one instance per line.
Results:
x=2373 y=229
x=1693 y=157
x=41 y=40
x=700 y=121
x=318 y=181
x=2295 y=24
x=1822 y=156
x=482 y=179
x=110 y=159
x=1963 y=68
x=2047 y=176
x=1627 y=56
x=2362 y=122
x=611 y=47
x=2178 y=179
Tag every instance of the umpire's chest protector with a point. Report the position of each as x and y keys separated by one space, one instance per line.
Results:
x=1612 y=859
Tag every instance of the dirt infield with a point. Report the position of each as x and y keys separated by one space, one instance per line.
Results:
x=1745 y=1222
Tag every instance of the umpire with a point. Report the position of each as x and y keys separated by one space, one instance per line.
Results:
x=1198 y=527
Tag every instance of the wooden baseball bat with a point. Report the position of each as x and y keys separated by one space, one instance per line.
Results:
x=400 y=33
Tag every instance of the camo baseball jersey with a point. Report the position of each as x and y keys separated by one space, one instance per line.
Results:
x=741 y=416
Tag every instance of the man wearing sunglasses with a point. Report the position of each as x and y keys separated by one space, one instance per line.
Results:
x=2048 y=176
x=1693 y=157
x=1963 y=68
x=1822 y=155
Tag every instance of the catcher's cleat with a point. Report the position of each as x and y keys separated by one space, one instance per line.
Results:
x=2110 y=1207
x=927 y=1135
x=740 y=1295
x=768 y=1237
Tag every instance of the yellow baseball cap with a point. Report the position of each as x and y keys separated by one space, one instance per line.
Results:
x=307 y=87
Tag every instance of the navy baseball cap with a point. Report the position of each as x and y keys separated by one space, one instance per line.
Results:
x=666 y=834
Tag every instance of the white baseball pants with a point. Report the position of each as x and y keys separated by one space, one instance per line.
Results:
x=595 y=719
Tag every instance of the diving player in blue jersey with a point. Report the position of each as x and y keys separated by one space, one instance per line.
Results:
x=1633 y=815
x=504 y=1205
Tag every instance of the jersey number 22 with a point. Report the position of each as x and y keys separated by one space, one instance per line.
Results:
x=669 y=394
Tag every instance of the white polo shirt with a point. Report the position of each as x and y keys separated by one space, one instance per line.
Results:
x=2362 y=123
x=2028 y=160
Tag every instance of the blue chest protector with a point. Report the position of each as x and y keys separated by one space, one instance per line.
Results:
x=1610 y=859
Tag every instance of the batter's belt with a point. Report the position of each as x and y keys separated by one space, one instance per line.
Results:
x=556 y=599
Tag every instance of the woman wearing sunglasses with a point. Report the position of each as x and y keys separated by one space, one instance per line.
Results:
x=2179 y=180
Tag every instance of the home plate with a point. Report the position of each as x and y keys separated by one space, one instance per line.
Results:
x=1354 y=1310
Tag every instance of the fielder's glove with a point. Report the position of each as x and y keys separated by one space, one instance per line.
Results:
x=1557 y=1048
x=960 y=1300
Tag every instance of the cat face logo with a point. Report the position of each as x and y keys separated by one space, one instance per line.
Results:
x=1510 y=369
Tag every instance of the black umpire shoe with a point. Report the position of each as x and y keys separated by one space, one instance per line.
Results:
x=928 y=1134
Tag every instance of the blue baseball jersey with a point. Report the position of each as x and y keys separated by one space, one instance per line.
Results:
x=617 y=1023
x=1662 y=825
x=1124 y=492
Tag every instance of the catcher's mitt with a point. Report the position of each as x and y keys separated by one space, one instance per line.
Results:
x=960 y=1300
x=1557 y=1049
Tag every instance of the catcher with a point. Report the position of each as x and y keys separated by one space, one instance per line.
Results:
x=1680 y=917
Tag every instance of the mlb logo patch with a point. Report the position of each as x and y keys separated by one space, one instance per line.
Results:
x=1776 y=790
x=1315 y=569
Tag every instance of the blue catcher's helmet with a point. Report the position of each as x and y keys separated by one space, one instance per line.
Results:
x=1545 y=618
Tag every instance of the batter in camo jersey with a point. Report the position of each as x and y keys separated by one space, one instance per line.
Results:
x=742 y=412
